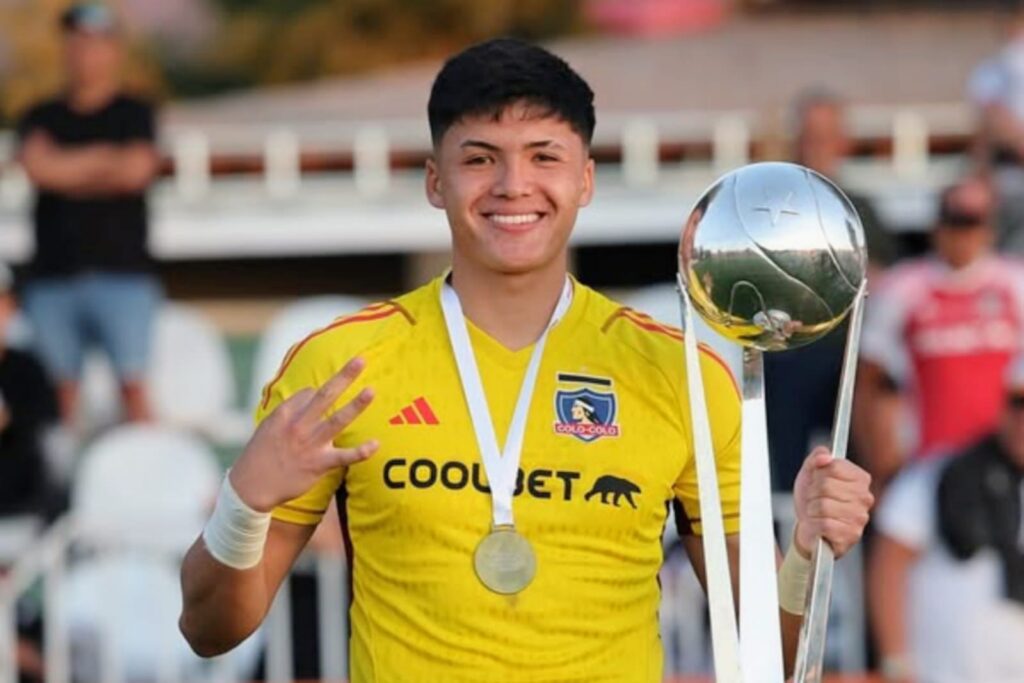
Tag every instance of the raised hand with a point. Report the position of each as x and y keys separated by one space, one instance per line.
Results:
x=293 y=447
x=832 y=500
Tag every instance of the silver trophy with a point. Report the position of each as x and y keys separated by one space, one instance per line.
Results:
x=772 y=257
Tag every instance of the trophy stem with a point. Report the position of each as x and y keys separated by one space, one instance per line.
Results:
x=760 y=633
x=810 y=653
x=721 y=606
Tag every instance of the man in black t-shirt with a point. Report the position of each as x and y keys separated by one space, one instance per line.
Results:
x=801 y=385
x=90 y=154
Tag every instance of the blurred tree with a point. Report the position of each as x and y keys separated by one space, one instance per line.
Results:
x=275 y=41
x=32 y=64
x=259 y=42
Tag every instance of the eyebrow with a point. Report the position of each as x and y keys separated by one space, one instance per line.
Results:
x=538 y=144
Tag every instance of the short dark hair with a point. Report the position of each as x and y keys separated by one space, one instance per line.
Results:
x=488 y=77
x=952 y=216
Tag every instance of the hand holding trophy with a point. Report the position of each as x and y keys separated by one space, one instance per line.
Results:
x=772 y=257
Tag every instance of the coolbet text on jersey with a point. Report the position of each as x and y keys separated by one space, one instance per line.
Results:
x=607 y=451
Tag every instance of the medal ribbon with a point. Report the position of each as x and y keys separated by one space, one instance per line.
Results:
x=501 y=465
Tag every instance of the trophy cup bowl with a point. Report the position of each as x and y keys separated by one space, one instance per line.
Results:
x=773 y=256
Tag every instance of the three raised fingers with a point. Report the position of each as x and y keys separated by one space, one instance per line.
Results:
x=328 y=428
x=343 y=457
x=327 y=394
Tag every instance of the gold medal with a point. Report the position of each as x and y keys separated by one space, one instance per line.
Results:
x=504 y=561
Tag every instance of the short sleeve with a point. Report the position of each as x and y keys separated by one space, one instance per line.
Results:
x=142 y=123
x=882 y=334
x=298 y=371
x=723 y=403
x=30 y=121
x=907 y=511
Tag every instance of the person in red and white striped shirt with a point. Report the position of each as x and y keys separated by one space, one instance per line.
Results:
x=939 y=333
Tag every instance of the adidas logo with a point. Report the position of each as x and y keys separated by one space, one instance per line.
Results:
x=417 y=412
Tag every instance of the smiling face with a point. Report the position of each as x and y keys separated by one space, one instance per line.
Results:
x=511 y=186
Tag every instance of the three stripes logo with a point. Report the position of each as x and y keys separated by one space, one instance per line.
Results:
x=416 y=413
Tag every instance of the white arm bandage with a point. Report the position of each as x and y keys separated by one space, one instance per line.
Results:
x=235 y=533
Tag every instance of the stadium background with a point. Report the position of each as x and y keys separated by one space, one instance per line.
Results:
x=293 y=137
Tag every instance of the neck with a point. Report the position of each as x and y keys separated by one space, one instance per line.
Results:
x=513 y=309
x=91 y=96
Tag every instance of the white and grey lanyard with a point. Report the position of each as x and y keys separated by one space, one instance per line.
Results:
x=501 y=465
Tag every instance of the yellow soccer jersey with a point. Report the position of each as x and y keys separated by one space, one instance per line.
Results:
x=607 y=449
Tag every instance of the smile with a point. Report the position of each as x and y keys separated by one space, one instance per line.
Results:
x=514 y=219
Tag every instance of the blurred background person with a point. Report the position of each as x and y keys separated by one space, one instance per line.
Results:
x=28 y=493
x=28 y=408
x=821 y=144
x=801 y=385
x=946 y=578
x=996 y=90
x=90 y=154
x=938 y=335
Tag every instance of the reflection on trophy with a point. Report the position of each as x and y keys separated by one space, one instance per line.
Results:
x=771 y=257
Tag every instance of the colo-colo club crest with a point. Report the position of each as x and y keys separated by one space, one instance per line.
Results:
x=585 y=408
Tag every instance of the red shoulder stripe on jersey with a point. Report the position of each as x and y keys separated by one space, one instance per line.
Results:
x=344 y=320
x=646 y=322
x=713 y=355
x=642 y=321
x=402 y=310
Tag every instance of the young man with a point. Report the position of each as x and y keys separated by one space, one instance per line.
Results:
x=455 y=577
x=90 y=153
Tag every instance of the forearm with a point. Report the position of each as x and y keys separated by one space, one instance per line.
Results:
x=221 y=606
x=886 y=456
x=876 y=415
x=791 y=624
x=93 y=170
x=887 y=600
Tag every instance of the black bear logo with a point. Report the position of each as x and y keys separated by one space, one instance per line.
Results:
x=616 y=487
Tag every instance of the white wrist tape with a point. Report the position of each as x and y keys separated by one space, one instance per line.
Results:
x=794 y=575
x=235 y=533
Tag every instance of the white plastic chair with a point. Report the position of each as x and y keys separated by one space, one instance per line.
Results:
x=145 y=486
x=139 y=499
x=291 y=325
x=190 y=380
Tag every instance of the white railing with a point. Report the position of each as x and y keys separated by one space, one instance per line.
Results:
x=638 y=136
x=684 y=633
x=378 y=206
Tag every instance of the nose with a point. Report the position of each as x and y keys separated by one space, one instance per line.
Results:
x=513 y=180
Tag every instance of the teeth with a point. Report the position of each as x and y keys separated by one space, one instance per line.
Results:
x=516 y=219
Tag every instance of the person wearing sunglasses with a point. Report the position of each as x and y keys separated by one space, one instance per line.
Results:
x=938 y=336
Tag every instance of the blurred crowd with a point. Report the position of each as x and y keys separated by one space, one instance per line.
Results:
x=939 y=406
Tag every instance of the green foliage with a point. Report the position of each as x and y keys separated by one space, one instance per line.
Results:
x=276 y=41
x=261 y=42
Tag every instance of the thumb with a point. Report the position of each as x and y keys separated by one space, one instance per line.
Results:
x=819 y=457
